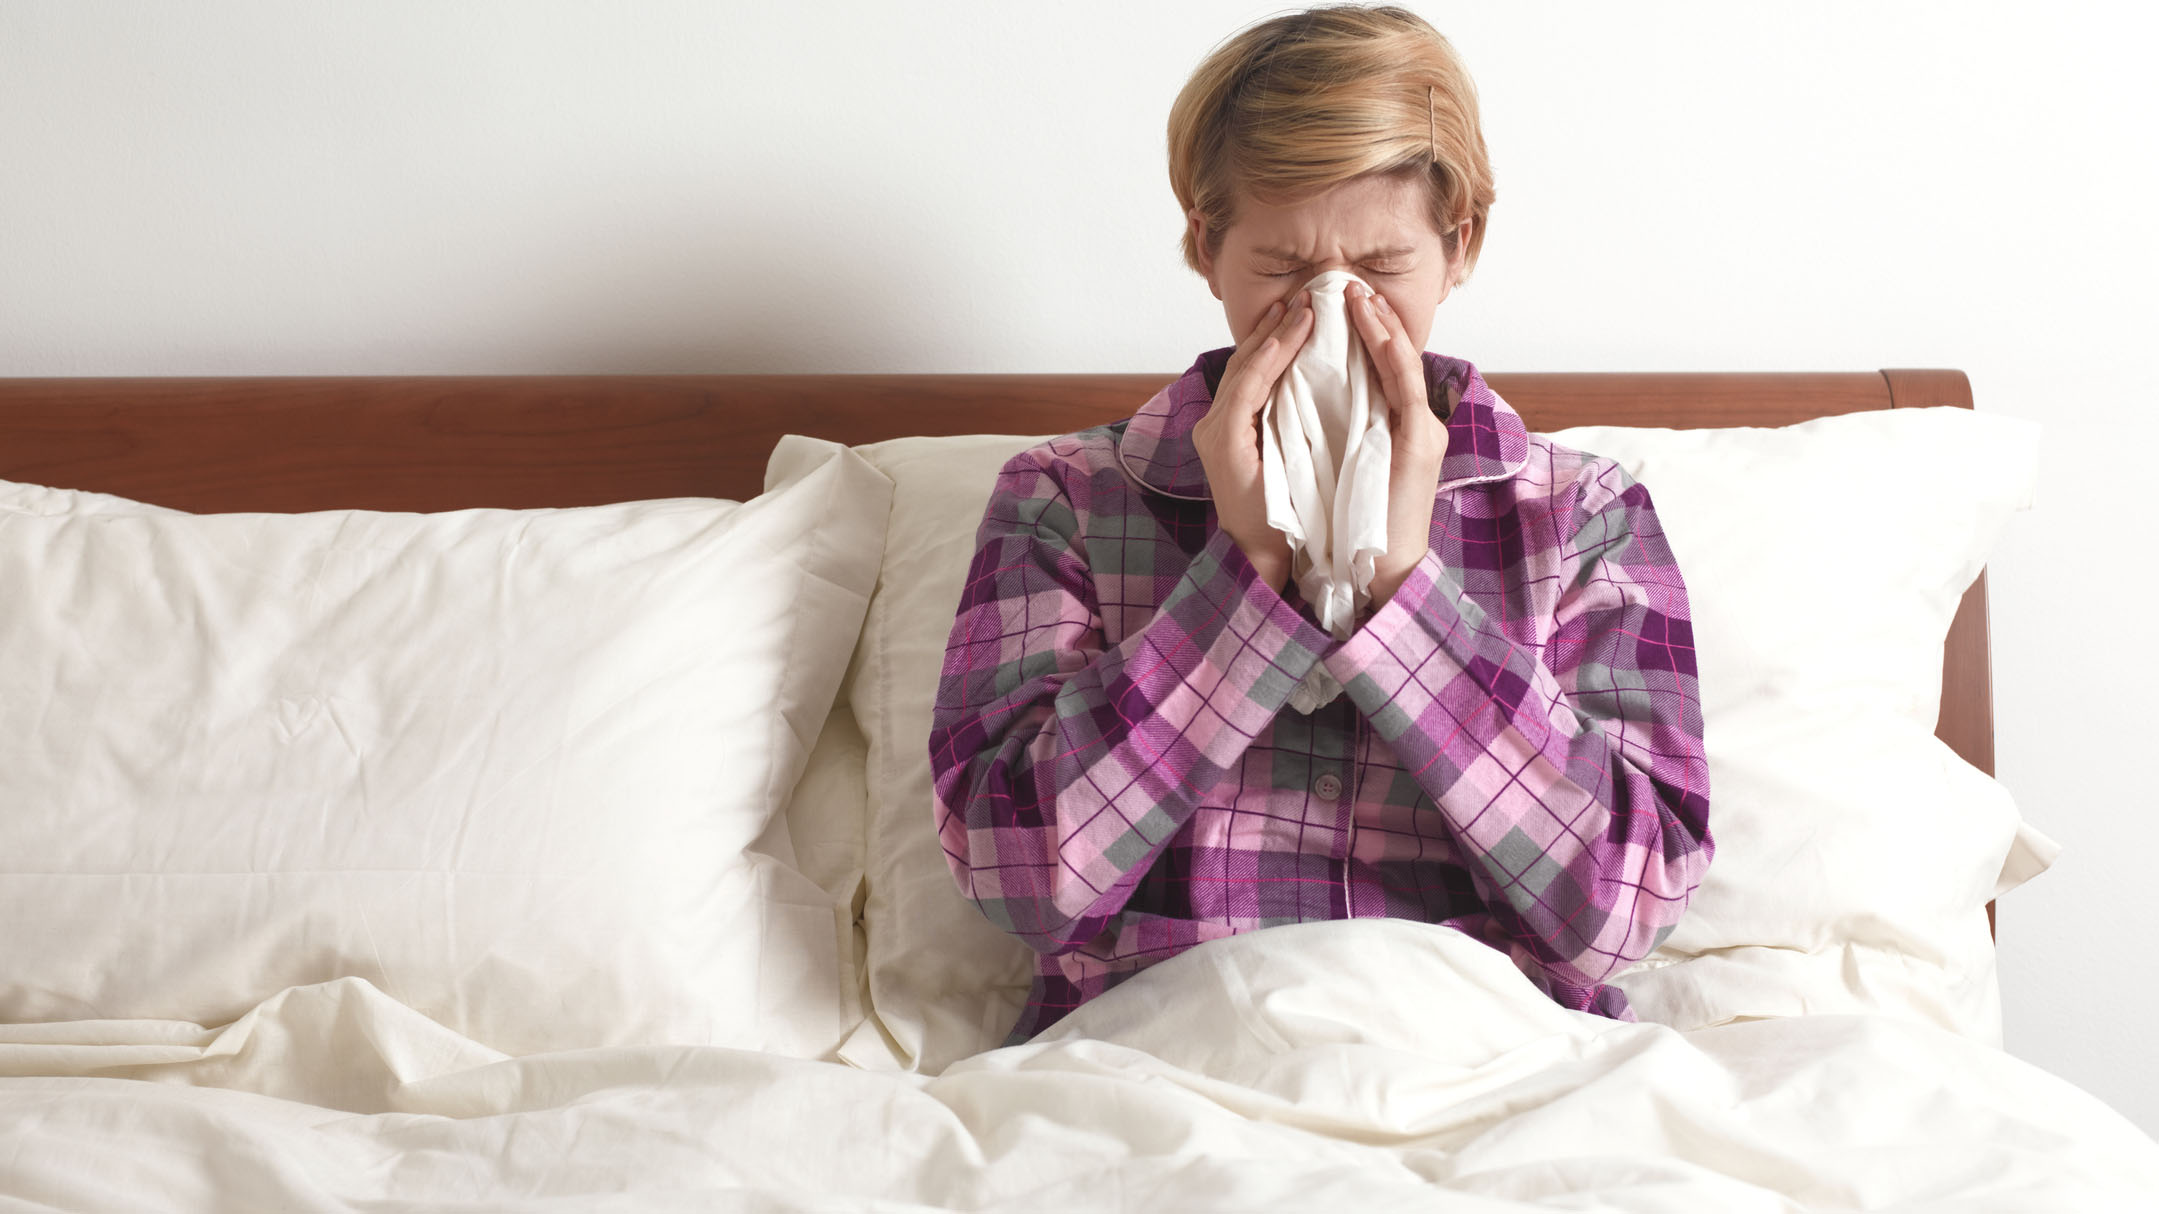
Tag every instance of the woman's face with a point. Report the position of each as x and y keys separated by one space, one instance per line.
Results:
x=1376 y=227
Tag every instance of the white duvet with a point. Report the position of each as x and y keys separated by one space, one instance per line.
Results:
x=1357 y=1065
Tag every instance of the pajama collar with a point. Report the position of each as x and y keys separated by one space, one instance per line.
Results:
x=1486 y=440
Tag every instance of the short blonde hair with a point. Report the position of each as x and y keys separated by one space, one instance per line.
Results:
x=1301 y=103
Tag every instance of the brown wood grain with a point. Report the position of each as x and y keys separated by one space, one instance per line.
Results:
x=443 y=443
x=452 y=442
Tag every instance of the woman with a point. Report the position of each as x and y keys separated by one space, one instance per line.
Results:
x=1518 y=750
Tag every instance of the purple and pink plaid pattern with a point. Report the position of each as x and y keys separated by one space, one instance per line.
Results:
x=1518 y=753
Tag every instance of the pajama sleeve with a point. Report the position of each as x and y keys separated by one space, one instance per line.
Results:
x=1573 y=776
x=1063 y=764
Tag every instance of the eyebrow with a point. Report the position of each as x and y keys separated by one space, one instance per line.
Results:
x=1376 y=254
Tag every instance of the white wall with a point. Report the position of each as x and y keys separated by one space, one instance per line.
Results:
x=236 y=187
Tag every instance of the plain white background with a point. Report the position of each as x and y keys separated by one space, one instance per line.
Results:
x=263 y=186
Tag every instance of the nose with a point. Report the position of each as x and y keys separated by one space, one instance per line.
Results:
x=1356 y=285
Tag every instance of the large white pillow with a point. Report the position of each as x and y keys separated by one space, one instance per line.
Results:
x=519 y=769
x=1824 y=561
x=1855 y=851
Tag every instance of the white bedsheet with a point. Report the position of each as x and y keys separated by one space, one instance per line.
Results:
x=1360 y=1065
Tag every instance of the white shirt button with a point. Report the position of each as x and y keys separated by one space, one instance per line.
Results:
x=1328 y=786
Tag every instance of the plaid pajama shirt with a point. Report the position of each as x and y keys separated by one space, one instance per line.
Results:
x=1517 y=754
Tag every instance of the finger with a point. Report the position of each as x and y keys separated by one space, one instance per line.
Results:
x=1401 y=368
x=1262 y=327
x=1233 y=372
x=1273 y=357
x=1363 y=315
x=1262 y=365
x=1278 y=324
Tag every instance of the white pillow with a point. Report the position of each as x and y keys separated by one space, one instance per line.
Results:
x=1855 y=852
x=519 y=769
x=824 y=819
x=943 y=982
x=46 y=500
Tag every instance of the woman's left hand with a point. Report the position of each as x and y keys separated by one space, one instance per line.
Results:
x=1420 y=439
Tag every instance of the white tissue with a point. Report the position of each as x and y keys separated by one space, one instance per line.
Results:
x=1325 y=451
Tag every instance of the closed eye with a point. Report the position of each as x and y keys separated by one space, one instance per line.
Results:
x=1287 y=273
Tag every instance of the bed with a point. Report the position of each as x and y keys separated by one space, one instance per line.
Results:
x=510 y=792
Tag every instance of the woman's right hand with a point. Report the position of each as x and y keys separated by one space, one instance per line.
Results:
x=1227 y=439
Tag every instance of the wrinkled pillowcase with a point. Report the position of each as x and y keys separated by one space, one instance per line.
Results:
x=521 y=770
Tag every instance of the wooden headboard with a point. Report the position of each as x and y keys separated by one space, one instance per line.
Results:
x=451 y=442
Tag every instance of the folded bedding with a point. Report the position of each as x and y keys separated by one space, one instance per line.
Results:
x=1368 y=1065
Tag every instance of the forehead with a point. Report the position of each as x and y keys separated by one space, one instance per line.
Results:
x=1365 y=217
